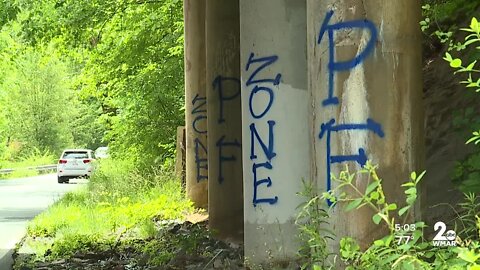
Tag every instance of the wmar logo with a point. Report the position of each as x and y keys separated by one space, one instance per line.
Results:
x=443 y=239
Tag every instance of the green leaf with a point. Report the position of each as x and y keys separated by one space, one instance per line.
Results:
x=472 y=40
x=371 y=187
x=392 y=207
x=474 y=24
x=456 y=63
x=376 y=219
x=408 y=184
x=468 y=255
x=353 y=204
x=470 y=67
x=403 y=210
x=374 y=195
x=413 y=175
x=378 y=243
x=423 y=245
x=412 y=190
x=472 y=140
x=407 y=266
x=467 y=30
x=420 y=177
x=411 y=199
x=448 y=57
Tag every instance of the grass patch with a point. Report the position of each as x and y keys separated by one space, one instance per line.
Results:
x=117 y=203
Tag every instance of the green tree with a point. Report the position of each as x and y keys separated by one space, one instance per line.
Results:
x=136 y=71
x=38 y=101
x=123 y=67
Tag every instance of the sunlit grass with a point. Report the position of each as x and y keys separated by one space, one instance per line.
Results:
x=117 y=200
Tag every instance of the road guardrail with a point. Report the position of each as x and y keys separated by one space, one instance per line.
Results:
x=37 y=168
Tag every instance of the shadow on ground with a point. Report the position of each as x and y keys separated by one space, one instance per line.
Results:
x=6 y=259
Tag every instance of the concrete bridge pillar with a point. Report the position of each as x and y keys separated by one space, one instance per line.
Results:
x=224 y=119
x=276 y=147
x=196 y=103
x=365 y=80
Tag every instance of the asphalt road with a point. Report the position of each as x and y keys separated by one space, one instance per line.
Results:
x=20 y=201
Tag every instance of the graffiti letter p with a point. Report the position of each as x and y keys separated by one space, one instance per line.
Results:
x=333 y=65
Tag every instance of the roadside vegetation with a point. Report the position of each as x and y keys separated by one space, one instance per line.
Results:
x=91 y=73
x=125 y=218
x=403 y=247
x=118 y=205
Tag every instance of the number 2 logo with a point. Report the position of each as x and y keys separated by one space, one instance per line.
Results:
x=441 y=235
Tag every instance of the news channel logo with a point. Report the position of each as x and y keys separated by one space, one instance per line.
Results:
x=443 y=237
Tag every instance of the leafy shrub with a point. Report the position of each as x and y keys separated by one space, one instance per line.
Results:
x=117 y=201
x=389 y=252
x=312 y=222
x=467 y=171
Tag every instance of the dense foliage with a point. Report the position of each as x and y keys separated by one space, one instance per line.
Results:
x=444 y=28
x=403 y=247
x=89 y=73
x=467 y=171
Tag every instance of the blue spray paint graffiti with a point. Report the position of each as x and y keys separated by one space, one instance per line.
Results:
x=326 y=129
x=228 y=90
x=200 y=110
x=223 y=95
x=267 y=61
x=221 y=143
x=334 y=66
x=202 y=163
x=269 y=147
x=269 y=151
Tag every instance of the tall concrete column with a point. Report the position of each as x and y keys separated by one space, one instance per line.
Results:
x=196 y=103
x=276 y=148
x=224 y=119
x=180 y=155
x=365 y=81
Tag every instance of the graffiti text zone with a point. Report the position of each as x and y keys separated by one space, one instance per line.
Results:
x=199 y=112
x=260 y=85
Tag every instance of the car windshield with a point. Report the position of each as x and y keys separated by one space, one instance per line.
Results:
x=75 y=155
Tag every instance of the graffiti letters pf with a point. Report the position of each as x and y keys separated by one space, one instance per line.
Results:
x=334 y=66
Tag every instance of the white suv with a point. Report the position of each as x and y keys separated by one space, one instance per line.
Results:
x=74 y=163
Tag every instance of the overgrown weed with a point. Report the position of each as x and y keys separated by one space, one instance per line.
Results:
x=394 y=250
x=117 y=201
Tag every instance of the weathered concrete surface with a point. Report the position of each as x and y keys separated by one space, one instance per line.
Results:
x=225 y=182
x=180 y=155
x=275 y=126
x=382 y=84
x=196 y=103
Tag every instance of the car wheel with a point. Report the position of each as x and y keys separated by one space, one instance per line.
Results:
x=60 y=179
